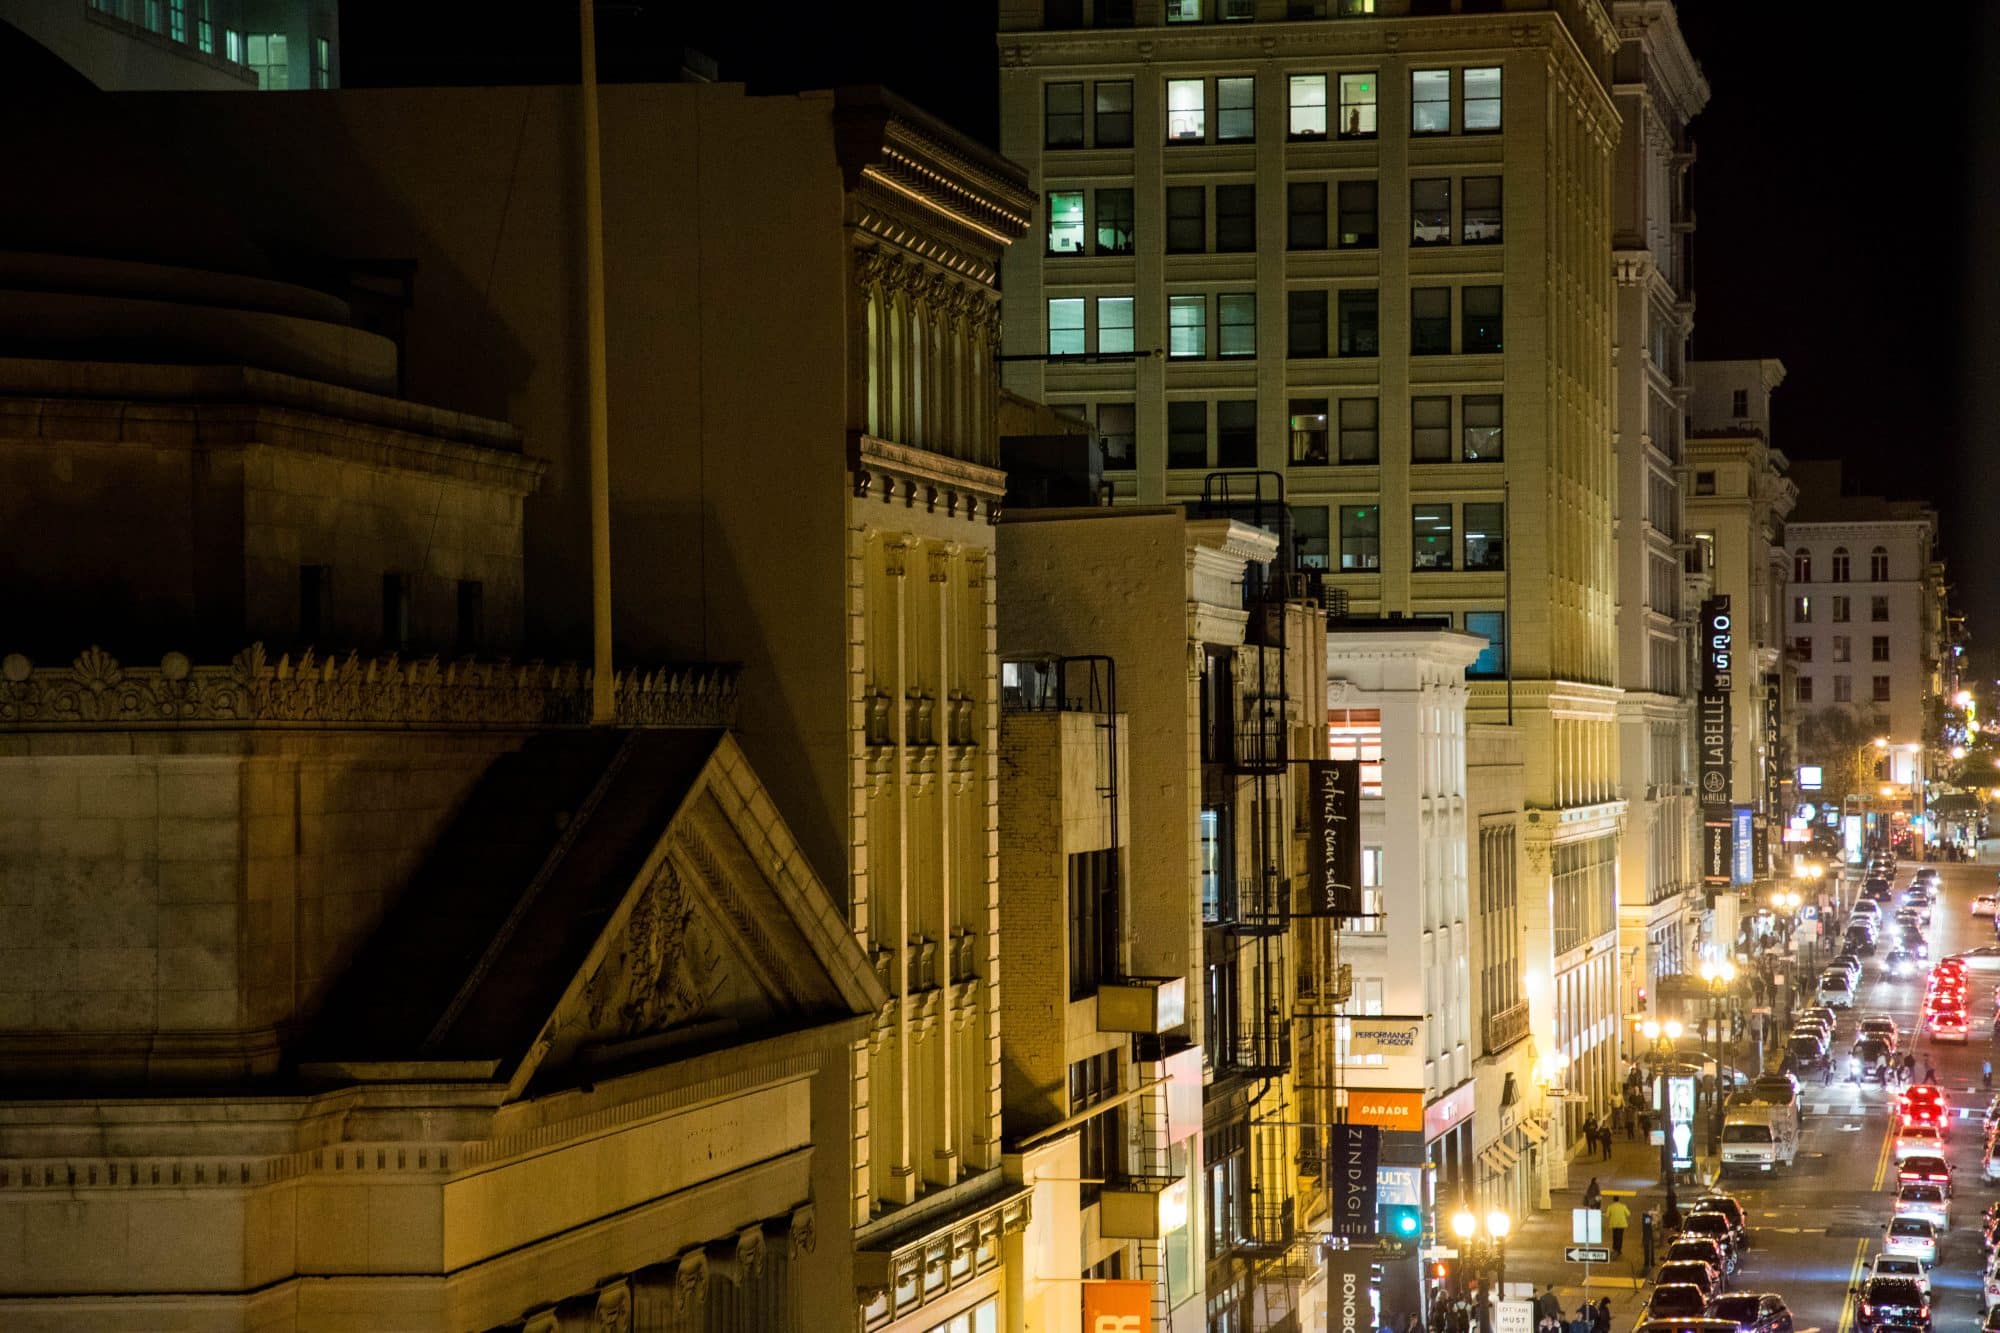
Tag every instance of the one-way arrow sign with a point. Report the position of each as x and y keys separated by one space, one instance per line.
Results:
x=1588 y=1254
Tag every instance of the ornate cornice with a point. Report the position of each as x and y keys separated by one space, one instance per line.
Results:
x=903 y=475
x=97 y=692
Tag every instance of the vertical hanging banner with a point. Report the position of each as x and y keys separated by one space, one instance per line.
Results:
x=1718 y=853
x=1742 y=846
x=1333 y=830
x=1774 y=695
x=1353 y=1154
x=1718 y=678
x=1348 y=1308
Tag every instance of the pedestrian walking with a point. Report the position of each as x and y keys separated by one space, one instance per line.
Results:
x=1671 y=1218
x=1909 y=1067
x=1600 y=1315
x=1616 y=1218
x=1930 y=1069
x=1604 y=1140
x=1548 y=1307
x=1590 y=1131
x=1593 y=1195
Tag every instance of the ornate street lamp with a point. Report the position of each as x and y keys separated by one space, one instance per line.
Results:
x=1482 y=1243
x=1718 y=977
x=1662 y=1036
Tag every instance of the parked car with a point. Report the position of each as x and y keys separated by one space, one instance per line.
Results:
x=1836 y=988
x=1725 y=1204
x=1887 y=1301
x=1918 y=1141
x=1697 y=1249
x=1752 y=1312
x=1914 y=1236
x=1676 y=1300
x=1902 y=1265
x=1693 y=1273
x=1924 y=1171
x=1868 y=1060
x=1924 y=1200
x=1717 y=1227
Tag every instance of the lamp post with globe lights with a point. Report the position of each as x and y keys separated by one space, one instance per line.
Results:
x=1662 y=1036
x=1482 y=1244
x=1718 y=976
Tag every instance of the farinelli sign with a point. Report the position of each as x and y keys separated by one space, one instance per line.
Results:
x=1333 y=861
x=1356 y=1150
x=1718 y=677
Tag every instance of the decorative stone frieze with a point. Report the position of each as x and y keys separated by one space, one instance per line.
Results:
x=97 y=692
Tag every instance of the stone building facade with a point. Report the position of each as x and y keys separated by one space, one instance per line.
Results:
x=824 y=521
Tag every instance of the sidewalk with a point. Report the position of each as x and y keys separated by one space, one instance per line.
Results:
x=1535 y=1254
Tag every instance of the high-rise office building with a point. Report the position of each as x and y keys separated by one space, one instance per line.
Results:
x=128 y=46
x=1368 y=247
x=1659 y=89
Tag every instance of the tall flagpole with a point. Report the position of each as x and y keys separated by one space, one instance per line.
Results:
x=603 y=701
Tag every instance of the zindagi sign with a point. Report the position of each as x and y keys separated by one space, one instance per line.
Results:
x=1353 y=1154
x=1717 y=679
x=1333 y=858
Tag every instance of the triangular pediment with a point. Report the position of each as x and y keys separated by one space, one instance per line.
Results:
x=672 y=913
x=707 y=947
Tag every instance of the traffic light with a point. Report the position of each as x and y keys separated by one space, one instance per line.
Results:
x=1400 y=1221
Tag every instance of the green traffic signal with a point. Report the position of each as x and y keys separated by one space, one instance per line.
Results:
x=1403 y=1221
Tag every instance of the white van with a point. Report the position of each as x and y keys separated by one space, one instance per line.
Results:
x=1759 y=1136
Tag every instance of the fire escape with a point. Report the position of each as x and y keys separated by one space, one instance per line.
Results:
x=1246 y=768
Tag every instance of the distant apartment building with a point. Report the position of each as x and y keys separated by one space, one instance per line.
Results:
x=1737 y=506
x=1659 y=89
x=188 y=45
x=1367 y=248
x=1864 y=618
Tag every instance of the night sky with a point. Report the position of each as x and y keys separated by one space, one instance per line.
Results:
x=1845 y=198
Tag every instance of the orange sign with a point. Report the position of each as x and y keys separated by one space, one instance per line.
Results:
x=1121 y=1306
x=1390 y=1110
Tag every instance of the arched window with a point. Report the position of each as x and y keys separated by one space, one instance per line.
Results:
x=1840 y=564
x=1878 y=565
x=1802 y=566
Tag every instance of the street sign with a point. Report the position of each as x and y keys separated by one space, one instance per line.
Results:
x=1586 y=1226
x=1430 y=1252
x=1588 y=1254
x=1514 y=1317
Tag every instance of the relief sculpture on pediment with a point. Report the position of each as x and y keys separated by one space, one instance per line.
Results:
x=655 y=974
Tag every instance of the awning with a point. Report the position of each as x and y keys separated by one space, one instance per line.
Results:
x=1499 y=1159
x=1532 y=1131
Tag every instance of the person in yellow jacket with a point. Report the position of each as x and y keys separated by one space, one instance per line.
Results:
x=1616 y=1218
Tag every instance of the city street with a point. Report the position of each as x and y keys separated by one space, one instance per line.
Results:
x=1815 y=1229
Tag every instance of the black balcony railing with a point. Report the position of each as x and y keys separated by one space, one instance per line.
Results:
x=1272 y=1226
x=1262 y=1051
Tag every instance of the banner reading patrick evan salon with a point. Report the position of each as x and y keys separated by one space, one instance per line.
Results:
x=1333 y=837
